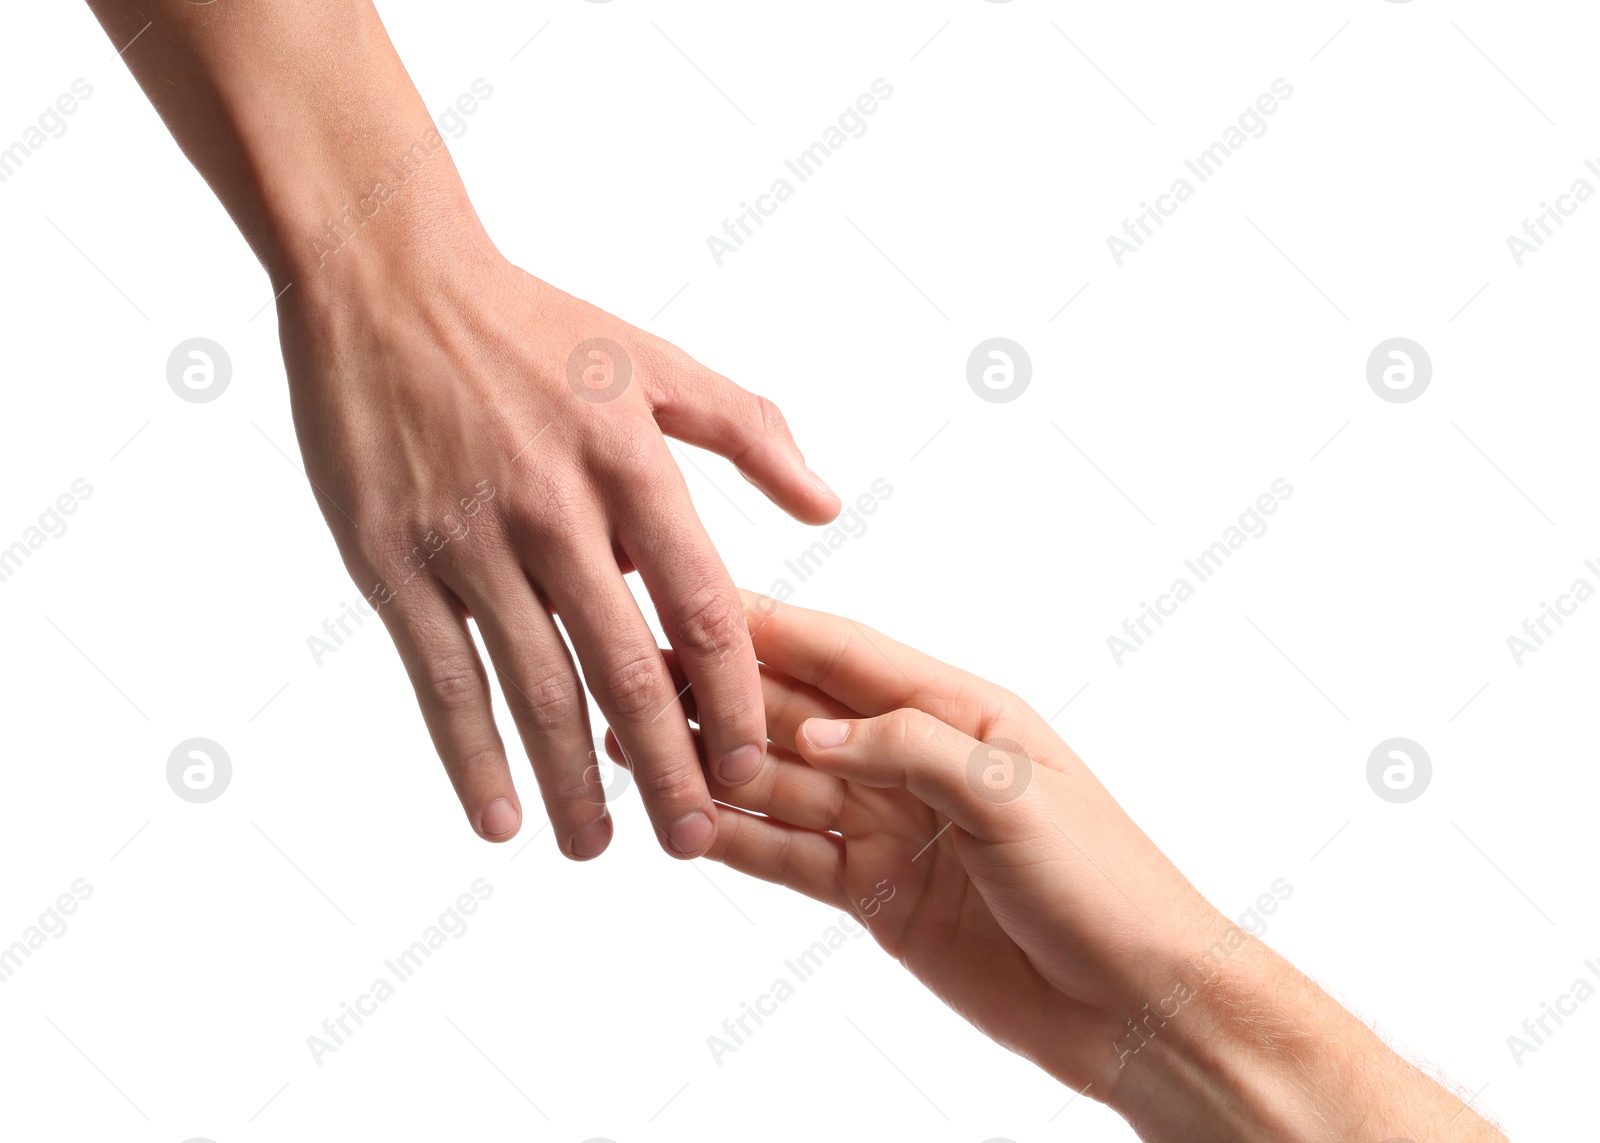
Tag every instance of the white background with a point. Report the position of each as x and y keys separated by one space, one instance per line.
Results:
x=1227 y=353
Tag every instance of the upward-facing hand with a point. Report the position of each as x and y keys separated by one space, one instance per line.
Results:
x=981 y=853
x=948 y=817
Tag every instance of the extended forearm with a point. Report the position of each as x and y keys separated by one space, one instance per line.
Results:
x=1262 y=1053
x=300 y=116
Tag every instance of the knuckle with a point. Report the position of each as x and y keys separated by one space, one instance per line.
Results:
x=555 y=513
x=998 y=699
x=403 y=548
x=475 y=765
x=669 y=788
x=784 y=858
x=911 y=730
x=453 y=683
x=663 y=365
x=412 y=544
x=829 y=664
x=632 y=454
x=712 y=623
x=769 y=418
x=550 y=701
x=756 y=422
x=632 y=684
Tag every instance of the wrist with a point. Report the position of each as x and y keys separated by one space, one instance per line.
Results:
x=369 y=216
x=1243 y=1048
x=1232 y=1043
x=340 y=213
x=369 y=229
x=304 y=120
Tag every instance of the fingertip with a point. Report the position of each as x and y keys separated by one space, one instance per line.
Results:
x=592 y=840
x=822 y=486
x=822 y=505
x=829 y=502
x=690 y=836
x=799 y=491
x=824 y=734
x=499 y=820
x=741 y=765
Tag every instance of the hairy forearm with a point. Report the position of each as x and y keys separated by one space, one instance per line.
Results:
x=1259 y=1052
x=300 y=115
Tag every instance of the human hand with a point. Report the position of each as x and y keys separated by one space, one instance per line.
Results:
x=982 y=853
x=479 y=442
x=1003 y=875
x=482 y=443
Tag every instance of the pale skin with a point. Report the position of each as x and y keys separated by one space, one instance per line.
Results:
x=950 y=819
x=460 y=469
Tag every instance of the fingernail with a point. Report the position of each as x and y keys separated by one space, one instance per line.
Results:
x=592 y=838
x=691 y=833
x=825 y=733
x=821 y=486
x=499 y=818
x=739 y=767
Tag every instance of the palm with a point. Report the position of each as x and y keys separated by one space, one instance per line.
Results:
x=1014 y=926
x=924 y=908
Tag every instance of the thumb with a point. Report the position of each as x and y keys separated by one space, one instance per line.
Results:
x=710 y=412
x=981 y=786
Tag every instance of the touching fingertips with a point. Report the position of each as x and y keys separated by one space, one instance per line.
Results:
x=499 y=820
x=740 y=766
x=825 y=733
x=691 y=834
x=592 y=839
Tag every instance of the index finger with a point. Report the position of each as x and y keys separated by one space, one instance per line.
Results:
x=865 y=669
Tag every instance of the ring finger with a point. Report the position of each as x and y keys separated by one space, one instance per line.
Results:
x=546 y=697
